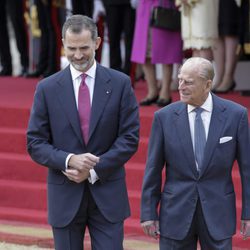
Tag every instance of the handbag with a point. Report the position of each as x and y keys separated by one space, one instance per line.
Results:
x=166 y=18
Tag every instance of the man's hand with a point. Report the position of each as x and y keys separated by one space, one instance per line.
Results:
x=83 y=161
x=245 y=229
x=151 y=228
x=79 y=166
x=77 y=176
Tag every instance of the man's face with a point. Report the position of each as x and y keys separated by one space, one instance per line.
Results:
x=80 y=49
x=193 y=88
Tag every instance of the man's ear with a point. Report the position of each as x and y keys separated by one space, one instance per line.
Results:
x=98 y=42
x=209 y=84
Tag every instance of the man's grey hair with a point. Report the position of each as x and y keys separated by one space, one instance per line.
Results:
x=77 y=23
x=204 y=67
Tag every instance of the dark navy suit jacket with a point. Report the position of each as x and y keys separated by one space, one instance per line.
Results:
x=171 y=146
x=54 y=132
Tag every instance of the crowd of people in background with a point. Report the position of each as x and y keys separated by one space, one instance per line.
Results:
x=208 y=29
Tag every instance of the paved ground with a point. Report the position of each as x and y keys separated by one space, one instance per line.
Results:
x=34 y=237
x=130 y=245
x=7 y=246
x=27 y=237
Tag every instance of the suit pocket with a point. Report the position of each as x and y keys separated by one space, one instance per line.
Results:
x=229 y=193
x=166 y=190
x=227 y=144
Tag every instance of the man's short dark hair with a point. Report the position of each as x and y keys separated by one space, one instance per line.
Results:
x=77 y=23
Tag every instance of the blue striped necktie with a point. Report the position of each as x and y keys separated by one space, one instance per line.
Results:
x=199 y=137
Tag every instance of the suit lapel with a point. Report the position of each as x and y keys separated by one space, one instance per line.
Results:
x=102 y=93
x=182 y=125
x=218 y=119
x=67 y=99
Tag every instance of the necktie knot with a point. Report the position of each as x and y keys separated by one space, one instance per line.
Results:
x=198 y=111
x=83 y=76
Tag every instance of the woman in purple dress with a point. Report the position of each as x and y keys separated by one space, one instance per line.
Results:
x=153 y=46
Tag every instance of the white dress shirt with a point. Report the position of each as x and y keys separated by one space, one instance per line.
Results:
x=205 y=116
x=90 y=82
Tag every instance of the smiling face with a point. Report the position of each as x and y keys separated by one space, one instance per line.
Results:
x=194 y=86
x=80 y=49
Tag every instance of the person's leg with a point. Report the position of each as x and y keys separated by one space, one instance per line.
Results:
x=175 y=80
x=43 y=56
x=165 y=92
x=150 y=77
x=15 y=11
x=103 y=234
x=231 y=43
x=52 y=63
x=114 y=24
x=219 y=60
x=188 y=243
x=5 y=55
x=205 y=239
x=169 y=244
x=70 y=237
x=204 y=53
x=128 y=27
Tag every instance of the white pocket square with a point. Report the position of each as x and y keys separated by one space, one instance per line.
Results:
x=225 y=139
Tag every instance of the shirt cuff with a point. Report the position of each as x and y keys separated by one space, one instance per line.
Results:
x=67 y=161
x=93 y=176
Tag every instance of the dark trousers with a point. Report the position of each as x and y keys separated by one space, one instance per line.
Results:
x=14 y=9
x=120 y=20
x=86 y=8
x=104 y=234
x=198 y=231
x=82 y=7
x=47 y=62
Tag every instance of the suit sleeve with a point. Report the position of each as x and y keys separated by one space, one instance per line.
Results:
x=243 y=158
x=39 y=135
x=126 y=142
x=151 y=189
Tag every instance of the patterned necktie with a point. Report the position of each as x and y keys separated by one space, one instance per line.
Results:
x=84 y=108
x=199 y=137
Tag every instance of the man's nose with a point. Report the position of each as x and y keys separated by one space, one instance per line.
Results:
x=78 y=54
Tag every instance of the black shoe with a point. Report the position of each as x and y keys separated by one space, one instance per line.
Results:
x=34 y=74
x=6 y=72
x=224 y=91
x=48 y=73
x=148 y=101
x=245 y=92
x=163 y=102
x=24 y=72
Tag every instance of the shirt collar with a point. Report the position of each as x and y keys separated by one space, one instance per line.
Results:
x=90 y=72
x=207 y=105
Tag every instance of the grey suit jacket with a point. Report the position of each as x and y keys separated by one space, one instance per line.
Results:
x=171 y=148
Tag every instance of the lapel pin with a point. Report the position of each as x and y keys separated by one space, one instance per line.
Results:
x=108 y=92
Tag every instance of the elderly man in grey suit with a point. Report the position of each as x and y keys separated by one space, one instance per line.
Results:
x=197 y=141
x=84 y=126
